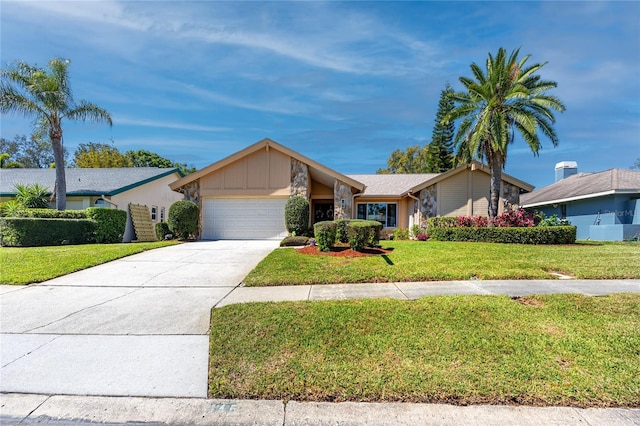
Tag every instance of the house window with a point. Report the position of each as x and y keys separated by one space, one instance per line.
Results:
x=385 y=213
x=563 y=211
x=161 y=214
x=154 y=213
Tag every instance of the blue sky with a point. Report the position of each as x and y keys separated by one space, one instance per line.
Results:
x=343 y=83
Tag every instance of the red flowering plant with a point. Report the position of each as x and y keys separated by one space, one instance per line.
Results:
x=511 y=218
x=472 y=221
x=518 y=218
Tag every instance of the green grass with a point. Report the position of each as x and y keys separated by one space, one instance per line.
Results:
x=26 y=265
x=435 y=260
x=569 y=350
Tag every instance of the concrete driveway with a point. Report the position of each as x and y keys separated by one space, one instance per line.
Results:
x=132 y=327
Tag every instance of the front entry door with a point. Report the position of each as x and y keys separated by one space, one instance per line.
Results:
x=322 y=211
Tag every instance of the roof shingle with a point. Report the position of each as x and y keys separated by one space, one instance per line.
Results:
x=83 y=181
x=584 y=184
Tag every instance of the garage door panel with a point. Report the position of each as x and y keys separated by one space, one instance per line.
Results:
x=243 y=218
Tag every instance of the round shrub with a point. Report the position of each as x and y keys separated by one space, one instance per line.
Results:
x=325 y=233
x=183 y=218
x=296 y=215
x=162 y=230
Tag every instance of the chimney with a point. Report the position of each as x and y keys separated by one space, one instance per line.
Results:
x=564 y=169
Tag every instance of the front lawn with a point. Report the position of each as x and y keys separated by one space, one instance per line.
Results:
x=437 y=260
x=568 y=350
x=26 y=265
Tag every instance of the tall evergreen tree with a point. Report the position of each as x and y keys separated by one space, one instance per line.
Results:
x=435 y=156
x=439 y=155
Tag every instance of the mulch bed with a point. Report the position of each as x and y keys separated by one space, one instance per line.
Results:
x=343 y=251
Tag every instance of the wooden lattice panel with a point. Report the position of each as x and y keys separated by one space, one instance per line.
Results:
x=142 y=225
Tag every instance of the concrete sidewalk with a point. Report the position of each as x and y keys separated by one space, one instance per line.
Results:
x=76 y=410
x=416 y=290
x=127 y=343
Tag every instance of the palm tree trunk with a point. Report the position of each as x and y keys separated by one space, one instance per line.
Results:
x=61 y=182
x=496 y=180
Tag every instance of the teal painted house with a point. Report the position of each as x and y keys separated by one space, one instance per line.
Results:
x=605 y=206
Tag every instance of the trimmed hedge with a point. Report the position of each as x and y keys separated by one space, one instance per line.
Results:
x=162 y=229
x=341 y=229
x=512 y=235
x=325 y=234
x=359 y=234
x=30 y=232
x=294 y=241
x=110 y=224
x=53 y=214
x=442 y=222
x=183 y=218
x=296 y=215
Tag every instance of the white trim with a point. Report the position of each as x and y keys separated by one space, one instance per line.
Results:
x=583 y=197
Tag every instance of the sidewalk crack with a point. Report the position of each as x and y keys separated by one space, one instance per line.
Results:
x=32 y=351
x=402 y=292
x=81 y=310
x=34 y=410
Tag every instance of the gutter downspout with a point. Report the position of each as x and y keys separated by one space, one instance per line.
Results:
x=415 y=198
x=353 y=204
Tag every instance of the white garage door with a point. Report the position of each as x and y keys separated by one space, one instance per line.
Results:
x=243 y=218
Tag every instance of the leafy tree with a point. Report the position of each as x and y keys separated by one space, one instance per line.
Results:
x=45 y=94
x=99 y=155
x=32 y=153
x=32 y=196
x=142 y=158
x=440 y=150
x=636 y=166
x=413 y=160
x=506 y=97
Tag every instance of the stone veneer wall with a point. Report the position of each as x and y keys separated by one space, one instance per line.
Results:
x=342 y=191
x=510 y=195
x=299 y=178
x=428 y=204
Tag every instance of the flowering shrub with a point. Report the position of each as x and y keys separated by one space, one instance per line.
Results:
x=473 y=221
x=517 y=218
x=422 y=236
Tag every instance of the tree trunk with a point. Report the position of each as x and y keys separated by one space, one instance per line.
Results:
x=58 y=156
x=496 y=180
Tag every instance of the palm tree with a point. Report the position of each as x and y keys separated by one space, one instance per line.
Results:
x=509 y=96
x=45 y=95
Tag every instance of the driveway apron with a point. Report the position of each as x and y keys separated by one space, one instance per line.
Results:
x=137 y=326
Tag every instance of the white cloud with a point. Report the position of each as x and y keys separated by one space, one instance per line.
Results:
x=166 y=124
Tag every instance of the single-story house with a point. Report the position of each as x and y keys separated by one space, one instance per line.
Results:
x=243 y=196
x=114 y=188
x=603 y=206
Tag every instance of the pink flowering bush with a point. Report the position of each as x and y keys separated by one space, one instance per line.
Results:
x=512 y=218
x=473 y=221
x=518 y=218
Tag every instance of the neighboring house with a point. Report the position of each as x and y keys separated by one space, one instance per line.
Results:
x=114 y=188
x=604 y=205
x=243 y=196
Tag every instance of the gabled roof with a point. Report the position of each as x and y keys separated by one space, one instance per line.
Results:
x=585 y=185
x=83 y=182
x=399 y=185
x=391 y=185
x=316 y=168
